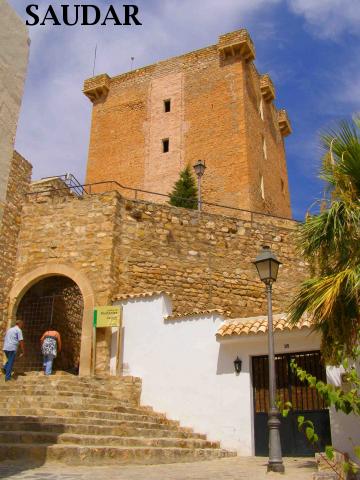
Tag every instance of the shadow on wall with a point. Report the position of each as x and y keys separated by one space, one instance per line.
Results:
x=227 y=355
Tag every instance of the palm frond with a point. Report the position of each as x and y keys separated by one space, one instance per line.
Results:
x=330 y=242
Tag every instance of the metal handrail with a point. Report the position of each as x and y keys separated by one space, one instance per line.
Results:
x=87 y=188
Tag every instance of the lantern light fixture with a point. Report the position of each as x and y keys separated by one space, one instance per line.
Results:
x=237 y=364
x=267 y=265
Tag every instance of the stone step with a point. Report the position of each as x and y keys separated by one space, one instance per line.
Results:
x=46 y=395
x=72 y=380
x=41 y=410
x=12 y=387
x=14 y=391
x=76 y=403
x=95 y=455
x=50 y=438
x=147 y=423
x=127 y=392
x=69 y=425
x=117 y=406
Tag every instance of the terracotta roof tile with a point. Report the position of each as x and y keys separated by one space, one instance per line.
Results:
x=127 y=296
x=254 y=325
x=193 y=313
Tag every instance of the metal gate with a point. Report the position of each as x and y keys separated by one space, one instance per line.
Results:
x=37 y=314
x=305 y=401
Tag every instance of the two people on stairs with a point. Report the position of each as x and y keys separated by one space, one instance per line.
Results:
x=50 y=346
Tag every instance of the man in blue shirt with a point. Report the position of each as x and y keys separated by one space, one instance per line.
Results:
x=13 y=339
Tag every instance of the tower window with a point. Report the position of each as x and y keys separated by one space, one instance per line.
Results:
x=167 y=106
x=165 y=145
x=282 y=186
x=264 y=148
x=261 y=109
x=262 y=187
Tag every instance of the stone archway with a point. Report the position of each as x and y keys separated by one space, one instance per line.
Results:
x=29 y=280
x=53 y=303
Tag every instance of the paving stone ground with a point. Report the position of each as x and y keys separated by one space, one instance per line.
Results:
x=237 y=468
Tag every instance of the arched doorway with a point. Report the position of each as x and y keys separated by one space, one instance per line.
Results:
x=53 y=302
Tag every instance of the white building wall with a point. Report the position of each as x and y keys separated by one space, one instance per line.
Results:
x=345 y=429
x=190 y=376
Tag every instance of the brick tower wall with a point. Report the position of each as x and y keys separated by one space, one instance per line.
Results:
x=215 y=116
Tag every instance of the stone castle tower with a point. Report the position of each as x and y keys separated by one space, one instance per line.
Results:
x=210 y=104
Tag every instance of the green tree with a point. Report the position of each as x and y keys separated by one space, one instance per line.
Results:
x=184 y=193
x=330 y=242
x=345 y=400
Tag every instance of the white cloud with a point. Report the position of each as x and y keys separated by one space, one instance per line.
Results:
x=329 y=18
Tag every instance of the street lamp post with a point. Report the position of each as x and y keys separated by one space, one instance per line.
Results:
x=199 y=168
x=267 y=266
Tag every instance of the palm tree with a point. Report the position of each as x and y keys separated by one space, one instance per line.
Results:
x=330 y=242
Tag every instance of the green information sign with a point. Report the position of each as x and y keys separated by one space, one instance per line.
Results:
x=107 y=316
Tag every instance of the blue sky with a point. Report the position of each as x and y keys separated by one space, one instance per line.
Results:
x=311 y=49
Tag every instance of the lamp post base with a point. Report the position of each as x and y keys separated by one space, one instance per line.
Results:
x=276 y=467
x=275 y=463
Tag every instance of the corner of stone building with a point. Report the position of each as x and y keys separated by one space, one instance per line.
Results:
x=17 y=188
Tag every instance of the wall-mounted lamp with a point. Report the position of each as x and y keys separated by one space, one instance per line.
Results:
x=237 y=364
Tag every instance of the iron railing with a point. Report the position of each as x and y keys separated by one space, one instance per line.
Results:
x=137 y=194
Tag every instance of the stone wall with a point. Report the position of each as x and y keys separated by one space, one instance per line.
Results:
x=203 y=260
x=14 y=54
x=17 y=187
x=215 y=96
x=128 y=247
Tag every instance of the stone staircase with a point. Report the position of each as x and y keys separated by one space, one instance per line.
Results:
x=78 y=420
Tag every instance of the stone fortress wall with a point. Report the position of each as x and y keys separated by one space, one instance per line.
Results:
x=127 y=247
x=221 y=111
x=17 y=187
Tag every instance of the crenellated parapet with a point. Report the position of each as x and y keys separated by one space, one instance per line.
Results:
x=284 y=123
x=237 y=43
x=267 y=88
x=96 y=88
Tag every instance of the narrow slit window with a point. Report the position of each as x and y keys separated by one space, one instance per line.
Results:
x=261 y=109
x=167 y=106
x=264 y=148
x=165 y=145
x=282 y=186
x=262 y=188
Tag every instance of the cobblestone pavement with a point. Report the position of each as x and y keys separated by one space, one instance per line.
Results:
x=238 y=468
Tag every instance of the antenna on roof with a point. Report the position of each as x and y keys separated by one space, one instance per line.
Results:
x=132 y=63
x=94 y=60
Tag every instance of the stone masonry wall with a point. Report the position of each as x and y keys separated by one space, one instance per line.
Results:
x=14 y=52
x=126 y=247
x=18 y=185
x=203 y=261
x=215 y=94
